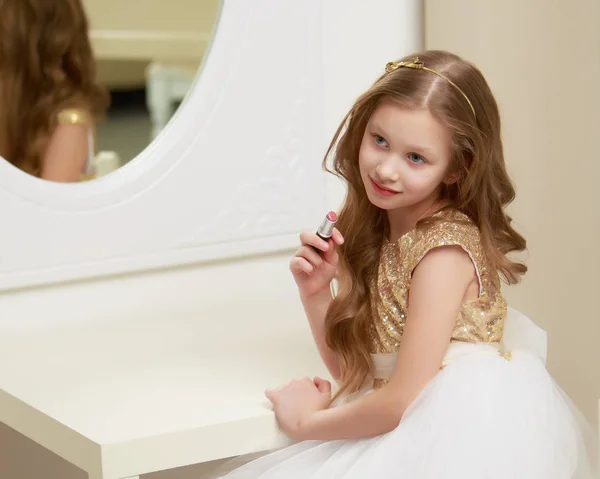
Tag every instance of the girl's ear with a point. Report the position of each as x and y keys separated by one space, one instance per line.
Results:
x=451 y=178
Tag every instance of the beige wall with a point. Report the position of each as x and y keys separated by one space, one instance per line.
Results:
x=180 y=16
x=125 y=41
x=542 y=60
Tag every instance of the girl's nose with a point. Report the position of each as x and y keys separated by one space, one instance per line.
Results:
x=387 y=172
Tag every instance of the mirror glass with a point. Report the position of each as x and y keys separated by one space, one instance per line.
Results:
x=86 y=85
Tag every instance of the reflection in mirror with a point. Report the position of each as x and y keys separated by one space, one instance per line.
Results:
x=85 y=85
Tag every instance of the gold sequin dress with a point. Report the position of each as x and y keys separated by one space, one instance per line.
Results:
x=478 y=321
x=492 y=411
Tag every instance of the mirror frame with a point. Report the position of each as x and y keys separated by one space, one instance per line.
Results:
x=235 y=172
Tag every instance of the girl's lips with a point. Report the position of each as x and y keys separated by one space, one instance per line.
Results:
x=382 y=190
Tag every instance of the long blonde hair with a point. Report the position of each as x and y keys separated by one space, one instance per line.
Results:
x=46 y=64
x=482 y=192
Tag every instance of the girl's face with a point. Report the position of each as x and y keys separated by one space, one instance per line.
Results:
x=404 y=158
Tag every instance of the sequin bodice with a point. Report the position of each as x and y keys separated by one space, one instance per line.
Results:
x=479 y=320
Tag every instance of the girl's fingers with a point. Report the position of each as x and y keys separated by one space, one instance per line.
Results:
x=310 y=255
x=337 y=236
x=331 y=255
x=299 y=264
x=322 y=385
x=311 y=239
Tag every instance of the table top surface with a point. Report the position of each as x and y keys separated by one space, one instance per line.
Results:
x=120 y=382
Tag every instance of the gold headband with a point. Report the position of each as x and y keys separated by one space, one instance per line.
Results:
x=418 y=65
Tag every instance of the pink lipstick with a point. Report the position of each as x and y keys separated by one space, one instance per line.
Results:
x=326 y=229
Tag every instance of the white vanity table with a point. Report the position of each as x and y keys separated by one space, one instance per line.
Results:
x=120 y=400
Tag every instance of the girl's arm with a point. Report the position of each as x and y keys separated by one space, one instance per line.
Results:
x=67 y=154
x=438 y=288
x=315 y=308
x=313 y=274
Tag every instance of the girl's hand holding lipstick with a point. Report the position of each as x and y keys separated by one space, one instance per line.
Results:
x=315 y=263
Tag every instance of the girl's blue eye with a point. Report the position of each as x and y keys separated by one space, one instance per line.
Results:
x=380 y=140
x=414 y=158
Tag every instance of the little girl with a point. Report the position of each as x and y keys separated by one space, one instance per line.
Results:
x=414 y=335
x=48 y=92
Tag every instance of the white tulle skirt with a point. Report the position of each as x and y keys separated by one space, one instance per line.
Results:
x=485 y=415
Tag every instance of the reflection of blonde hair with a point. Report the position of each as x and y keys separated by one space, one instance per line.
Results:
x=46 y=65
x=482 y=191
